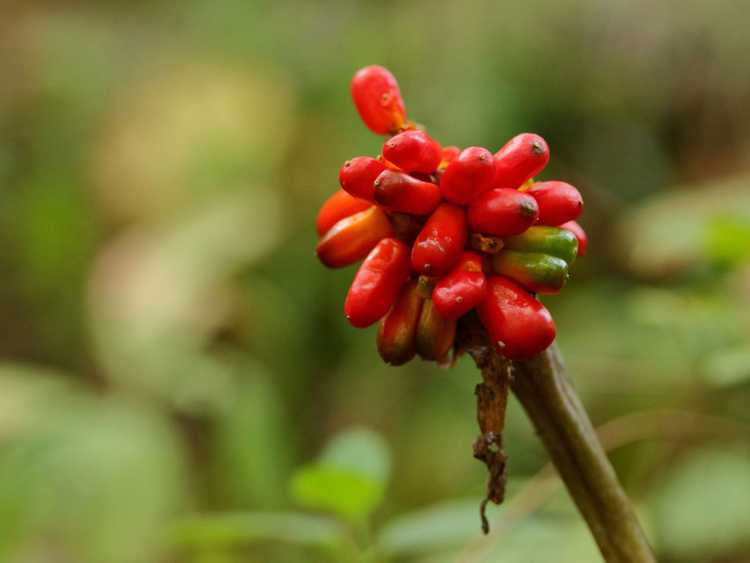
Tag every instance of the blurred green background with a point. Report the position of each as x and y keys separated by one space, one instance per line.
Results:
x=178 y=382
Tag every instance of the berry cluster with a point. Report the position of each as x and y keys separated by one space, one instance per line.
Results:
x=443 y=231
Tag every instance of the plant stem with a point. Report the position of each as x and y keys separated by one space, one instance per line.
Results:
x=560 y=420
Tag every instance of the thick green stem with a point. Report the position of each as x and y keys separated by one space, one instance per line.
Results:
x=560 y=420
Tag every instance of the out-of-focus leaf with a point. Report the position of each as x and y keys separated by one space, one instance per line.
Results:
x=188 y=130
x=454 y=526
x=347 y=493
x=661 y=308
x=667 y=234
x=27 y=394
x=102 y=477
x=349 y=478
x=254 y=443
x=361 y=451
x=437 y=527
x=542 y=540
x=728 y=367
x=157 y=296
x=251 y=527
x=702 y=508
x=728 y=239
x=698 y=323
x=643 y=338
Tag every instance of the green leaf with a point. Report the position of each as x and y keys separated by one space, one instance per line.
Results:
x=728 y=239
x=349 y=477
x=349 y=494
x=251 y=527
x=703 y=507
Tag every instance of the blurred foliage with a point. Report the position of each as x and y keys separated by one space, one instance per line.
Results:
x=178 y=383
x=349 y=478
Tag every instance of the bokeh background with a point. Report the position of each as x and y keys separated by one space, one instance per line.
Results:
x=178 y=382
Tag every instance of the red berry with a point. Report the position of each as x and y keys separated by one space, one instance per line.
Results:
x=377 y=283
x=389 y=165
x=580 y=234
x=339 y=206
x=468 y=176
x=398 y=331
x=503 y=212
x=378 y=100
x=400 y=192
x=353 y=237
x=435 y=333
x=357 y=176
x=449 y=154
x=559 y=202
x=462 y=289
x=518 y=324
x=406 y=227
x=441 y=241
x=523 y=157
x=413 y=151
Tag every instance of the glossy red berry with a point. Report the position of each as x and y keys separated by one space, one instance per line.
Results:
x=435 y=333
x=468 y=176
x=339 y=206
x=517 y=324
x=559 y=202
x=503 y=212
x=377 y=283
x=449 y=154
x=378 y=100
x=398 y=330
x=522 y=158
x=358 y=175
x=398 y=191
x=441 y=241
x=580 y=234
x=352 y=238
x=413 y=151
x=462 y=289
